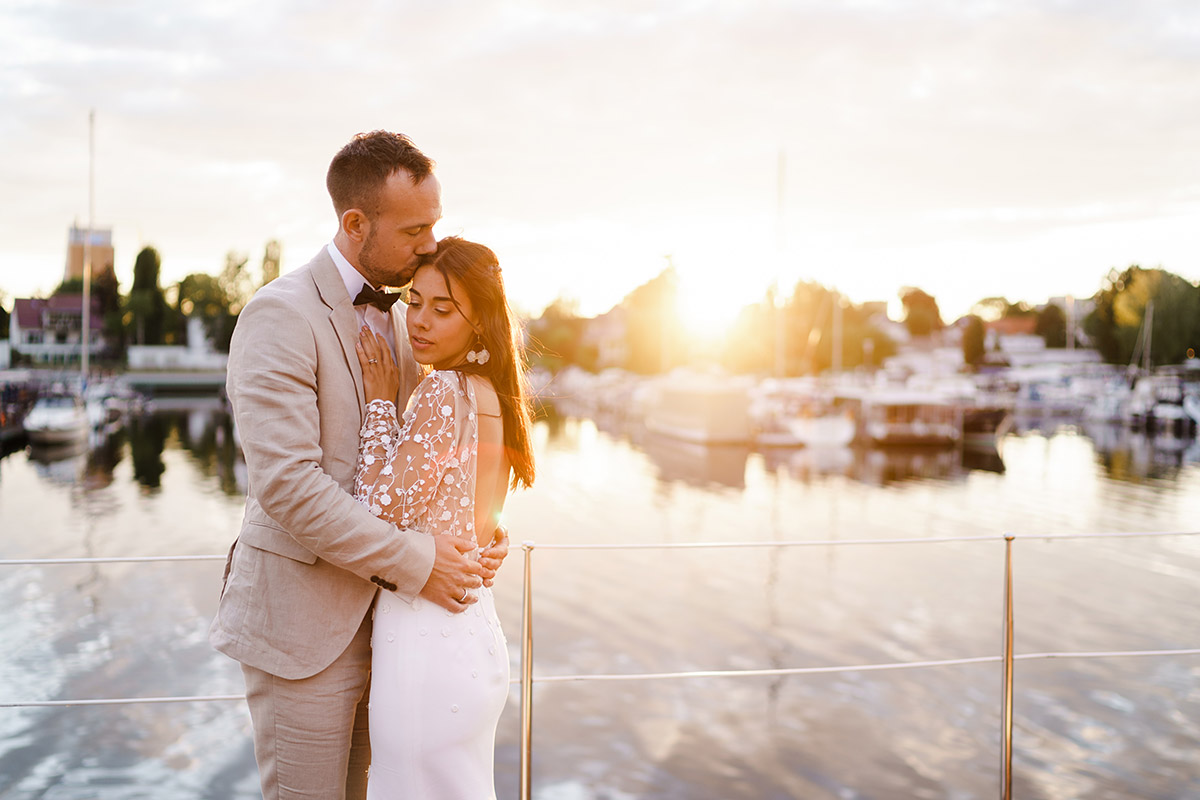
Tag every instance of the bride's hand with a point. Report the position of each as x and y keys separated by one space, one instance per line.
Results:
x=381 y=379
x=492 y=556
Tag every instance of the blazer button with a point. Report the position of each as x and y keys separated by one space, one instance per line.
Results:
x=374 y=579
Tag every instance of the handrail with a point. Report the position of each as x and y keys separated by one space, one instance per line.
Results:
x=12 y=562
x=645 y=676
x=527 y=678
x=15 y=562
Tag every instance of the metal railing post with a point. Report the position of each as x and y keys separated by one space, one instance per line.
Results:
x=527 y=676
x=1006 y=710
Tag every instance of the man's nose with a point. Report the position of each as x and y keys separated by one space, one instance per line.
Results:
x=428 y=243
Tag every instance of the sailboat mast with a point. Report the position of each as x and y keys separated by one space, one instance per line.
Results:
x=779 y=303
x=1148 y=333
x=87 y=250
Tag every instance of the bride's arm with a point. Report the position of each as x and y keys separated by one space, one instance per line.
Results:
x=376 y=442
x=398 y=471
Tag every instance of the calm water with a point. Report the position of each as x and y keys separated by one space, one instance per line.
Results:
x=171 y=483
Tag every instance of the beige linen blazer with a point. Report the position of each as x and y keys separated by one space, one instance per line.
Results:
x=305 y=567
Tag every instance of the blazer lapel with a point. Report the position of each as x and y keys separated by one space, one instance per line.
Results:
x=341 y=316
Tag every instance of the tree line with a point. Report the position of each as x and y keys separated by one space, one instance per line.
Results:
x=153 y=314
x=790 y=333
x=795 y=333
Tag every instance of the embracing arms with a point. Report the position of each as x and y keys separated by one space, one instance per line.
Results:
x=400 y=469
x=297 y=415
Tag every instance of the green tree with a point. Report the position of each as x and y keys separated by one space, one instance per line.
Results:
x=921 y=314
x=4 y=315
x=973 y=341
x=991 y=309
x=237 y=281
x=750 y=346
x=1052 y=325
x=556 y=338
x=204 y=296
x=146 y=306
x=653 y=340
x=1176 y=324
x=270 y=263
x=806 y=321
x=1115 y=324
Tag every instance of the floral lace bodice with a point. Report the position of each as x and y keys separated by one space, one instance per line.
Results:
x=421 y=474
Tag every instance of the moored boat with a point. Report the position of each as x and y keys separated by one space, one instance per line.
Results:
x=904 y=417
x=57 y=418
x=698 y=408
x=796 y=413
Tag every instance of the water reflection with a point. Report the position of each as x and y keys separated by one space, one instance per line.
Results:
x=60 y=463
x=694 y=464
x=1134 y=456
x=147 y=439
x=205 y=430
x=201 y=427
x=172 y=481
x=805 y=464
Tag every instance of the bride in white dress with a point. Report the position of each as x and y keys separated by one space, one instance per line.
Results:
x=439 y=679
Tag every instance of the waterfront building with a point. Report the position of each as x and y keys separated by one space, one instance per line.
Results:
x=50 y=330
x=102 y=252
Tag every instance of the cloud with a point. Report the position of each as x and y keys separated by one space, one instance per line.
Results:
x=604 y=135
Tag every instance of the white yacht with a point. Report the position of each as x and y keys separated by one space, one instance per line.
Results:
x=57 y=419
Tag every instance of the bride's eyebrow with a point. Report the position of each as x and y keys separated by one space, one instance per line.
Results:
x=438 y=299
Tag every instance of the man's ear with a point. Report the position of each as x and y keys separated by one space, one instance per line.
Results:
x=356 y=225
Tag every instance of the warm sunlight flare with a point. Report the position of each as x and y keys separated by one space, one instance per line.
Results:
x=706 y=311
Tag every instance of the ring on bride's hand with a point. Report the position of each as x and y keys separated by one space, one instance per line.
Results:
x=463 y=599
x=372 y=361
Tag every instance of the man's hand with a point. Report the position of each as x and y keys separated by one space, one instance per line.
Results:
x=453 y=574
x=494 y=554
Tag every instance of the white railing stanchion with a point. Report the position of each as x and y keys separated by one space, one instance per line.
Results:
x=527 y=675
x=1006 y=695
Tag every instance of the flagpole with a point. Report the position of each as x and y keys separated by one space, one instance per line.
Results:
x=87 y=250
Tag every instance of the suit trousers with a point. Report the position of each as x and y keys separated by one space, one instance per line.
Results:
x=310 y=735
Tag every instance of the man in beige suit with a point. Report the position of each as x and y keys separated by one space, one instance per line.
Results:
x=303 y=574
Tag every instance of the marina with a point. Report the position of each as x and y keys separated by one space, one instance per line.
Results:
x=170 y=482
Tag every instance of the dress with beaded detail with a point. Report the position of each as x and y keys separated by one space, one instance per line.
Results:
x=439 y=680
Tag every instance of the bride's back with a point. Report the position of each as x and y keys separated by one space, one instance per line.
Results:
x=492 y=466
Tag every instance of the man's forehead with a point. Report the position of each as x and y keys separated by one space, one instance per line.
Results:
x=423 y=199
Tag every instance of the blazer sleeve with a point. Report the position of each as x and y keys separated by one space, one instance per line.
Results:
x=273 y=383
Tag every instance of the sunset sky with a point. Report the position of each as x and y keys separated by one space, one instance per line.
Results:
x=968 y=148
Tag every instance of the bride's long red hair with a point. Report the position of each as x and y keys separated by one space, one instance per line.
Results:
x=477 y=270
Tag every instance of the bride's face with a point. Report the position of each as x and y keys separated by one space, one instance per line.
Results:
x=439 y=333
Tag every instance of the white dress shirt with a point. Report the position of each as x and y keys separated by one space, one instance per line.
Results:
x=367 y=314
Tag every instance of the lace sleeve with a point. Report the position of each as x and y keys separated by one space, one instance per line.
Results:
x=398 y=473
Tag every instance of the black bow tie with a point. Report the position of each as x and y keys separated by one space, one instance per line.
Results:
x=381 y=300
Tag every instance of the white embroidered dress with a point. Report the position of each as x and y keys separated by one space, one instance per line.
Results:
x=438 y=679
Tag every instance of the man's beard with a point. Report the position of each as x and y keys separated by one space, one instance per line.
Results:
x=366 y=260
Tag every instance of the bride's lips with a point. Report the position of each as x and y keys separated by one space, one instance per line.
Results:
x=419 y=343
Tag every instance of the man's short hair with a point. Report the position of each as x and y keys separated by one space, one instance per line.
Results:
x=361 y=168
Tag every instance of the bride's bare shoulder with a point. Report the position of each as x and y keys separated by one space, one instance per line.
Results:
x=485 y=396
